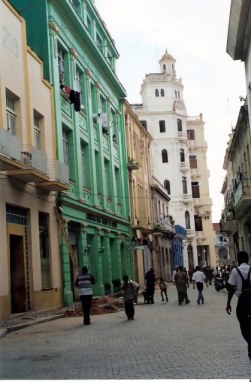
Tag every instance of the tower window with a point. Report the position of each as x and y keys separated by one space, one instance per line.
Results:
x=167 y=186
x=156 y=93
x=162 y=93
x=182 y=155
x=162 y=126
x=164 y=67
x=190 y=135
x=179 y=124
x=164 y=156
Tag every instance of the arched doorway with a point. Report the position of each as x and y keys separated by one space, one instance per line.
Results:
x=190 y=256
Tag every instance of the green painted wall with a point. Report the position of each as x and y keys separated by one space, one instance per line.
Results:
x=97 y=214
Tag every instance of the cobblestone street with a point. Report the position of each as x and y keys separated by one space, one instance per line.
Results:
x=165 y=341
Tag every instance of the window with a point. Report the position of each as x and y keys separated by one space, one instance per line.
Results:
x=79 y=85
x=162 y=93
x=184 y=185
x=179 y=124
x=175 y=92
x=193 y=161
x=99 y=43
x=44 y=250
x=11 y=114
x=37 y=130
x=164 y=156
x=182 y=155
x=61 y=65
x=156 y=93
x=190 y=135
x=107 y=179
x=162 y=126
x=167 y=186
x=89 y=24
x=164 y=67
x=187 y=220
x=66 y=147
x=144 y=123
x=85 y=164
x=198 y=223
x=195 y=190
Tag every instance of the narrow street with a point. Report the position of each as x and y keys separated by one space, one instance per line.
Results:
x=165 y=341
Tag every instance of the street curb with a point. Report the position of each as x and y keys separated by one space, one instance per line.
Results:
x=10 y=329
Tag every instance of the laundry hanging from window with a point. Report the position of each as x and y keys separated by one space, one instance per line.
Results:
x=74 y=96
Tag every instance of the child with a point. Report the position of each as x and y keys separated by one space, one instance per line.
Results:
x=163 y=288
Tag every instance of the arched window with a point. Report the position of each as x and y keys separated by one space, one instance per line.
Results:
x=162 y=126
x=162 y=93
x=164 y=156
x=164 y=67
x=156 y=92
x=167 y=186
x=187 y=220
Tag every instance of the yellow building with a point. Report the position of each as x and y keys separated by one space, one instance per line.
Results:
x=202 y=203
x=29 y=177
x=151 y=228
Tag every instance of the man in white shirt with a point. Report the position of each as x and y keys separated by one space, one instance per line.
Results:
x=198 y=279
x=235 y=285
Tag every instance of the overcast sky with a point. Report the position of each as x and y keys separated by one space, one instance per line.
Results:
x=194 y=32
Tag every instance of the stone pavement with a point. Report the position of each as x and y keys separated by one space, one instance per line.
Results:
x=165 y=341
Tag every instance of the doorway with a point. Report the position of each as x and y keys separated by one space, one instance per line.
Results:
x=17 y=271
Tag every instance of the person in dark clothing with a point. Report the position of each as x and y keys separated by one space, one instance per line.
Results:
x=84 y=282
x=150 y=285
x=181 y=281
x=236 y=286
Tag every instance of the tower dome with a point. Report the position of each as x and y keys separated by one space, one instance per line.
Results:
x=167 y=64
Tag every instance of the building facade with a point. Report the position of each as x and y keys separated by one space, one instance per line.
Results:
x=236 y=216
x=164 y=114
x=202 y=203
x=151 y=229
x=79 y=58
x=30 y=177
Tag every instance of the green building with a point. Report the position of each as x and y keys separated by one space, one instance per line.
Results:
x=79 y=58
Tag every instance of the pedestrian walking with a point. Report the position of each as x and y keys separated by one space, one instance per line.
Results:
x=199 y=278
x=240 y=282
x=128 y=295
x=136 y=290
x=176 y=269
x=84 y=282
x=150 y=285
x=181 y=282
x=163 y=289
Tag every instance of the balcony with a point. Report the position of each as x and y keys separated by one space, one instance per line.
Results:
x=184 y=166
x=10 y=148
x=195 y=173
x=228 y=221
x=59 y=177
x=132 y=164
x=190 y=233
x=200 y=236
x=186 y=198
x=182 y=136
x=164 y=227
x=242 y=198
x=34 y=167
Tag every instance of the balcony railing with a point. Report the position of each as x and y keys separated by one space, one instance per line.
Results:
x=242 y=197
